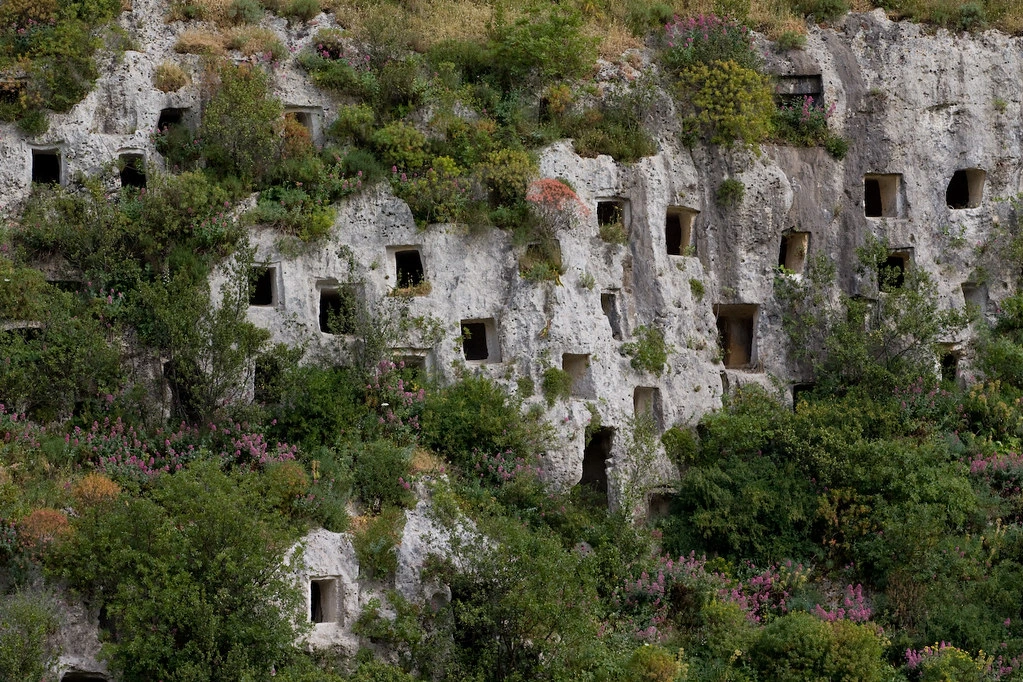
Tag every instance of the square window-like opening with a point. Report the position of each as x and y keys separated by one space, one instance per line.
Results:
x=578 y=367
x=46 y=166
x=800 y=392
x=11 y=91
x=171 y=118
x=263 y=283
x=542 y=260
x=792 y=254
x=303 y=118
x=595 y=456
x=323 y=600
x=736 y=324
x=966 y=188
x=408 y=268
x=133 y=170
x=678 y=230
x=975 y=296
x=948 y=363
x=882 y=195
x=793 y=90
x=658 y=506
x=613 y=220
x=338 y=308
x=892 y=271
x=479 y=340
x=646 y=404
x=609 y=304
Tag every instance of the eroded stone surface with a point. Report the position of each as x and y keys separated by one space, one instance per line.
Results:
x=912 y=103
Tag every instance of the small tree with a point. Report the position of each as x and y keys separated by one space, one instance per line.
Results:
x=241 y=124
x=854 y=341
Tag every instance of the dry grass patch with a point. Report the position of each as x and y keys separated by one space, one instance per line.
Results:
x=425 y=462
x=195 y=41
x=208 y=10
x=250 y=40
x=615 y=39
x=169 y=77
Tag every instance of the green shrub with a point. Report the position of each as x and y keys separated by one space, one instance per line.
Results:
x=680 y=446
x=617 y=126
x=381 y=473
x=655 y=664
x=793 y=648
x=303 y=10
x=790 y=40
x=507 y=174
x=837 y=146
x=400 y=145
x=439 y=195
x=649 y=352
x=245 y=11
x=707 y=39
x=333 y=67
x=557 y=383
x=729 y=101
x=697 y=289
x=475 y=415
x=730 y=192
x=197 y=528
x=613 y=233
x=542 y=47
x=643 y=18
x=822 y=10
x=400 y=86
x=240 y=124
x=28 y=630
x=375 y=544
x=354 y=124
x=804 y=124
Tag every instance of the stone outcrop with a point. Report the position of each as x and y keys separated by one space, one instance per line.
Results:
x=916 y=106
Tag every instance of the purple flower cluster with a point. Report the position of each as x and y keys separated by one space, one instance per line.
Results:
x=502 y=467
x=400 y=402
x=854 y=607
x=126 y=454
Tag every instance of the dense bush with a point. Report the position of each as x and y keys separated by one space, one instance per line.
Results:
x=476 y=415
x=197 y=530
x=730 y=102
x=240 y=124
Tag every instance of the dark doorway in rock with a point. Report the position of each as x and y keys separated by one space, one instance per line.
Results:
x=792 y=254
x=170 y=118
x=80 y=676
x=408 y=266
x=595 y=457
x=678 y=231
x=323 y=600
x=264 y=287
x=892 y=272
x=46 y=166
x=133 y=170
x=881 y=195
x=950 y=367
x=609 y=304
x=337 y=309
x=474 y=340
x=965 y=189
x=658 y=506
x=735 y=334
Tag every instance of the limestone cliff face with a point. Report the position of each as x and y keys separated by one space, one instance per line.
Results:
x=917 y=106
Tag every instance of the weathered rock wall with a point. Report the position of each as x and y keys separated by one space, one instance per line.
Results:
x=914 y=104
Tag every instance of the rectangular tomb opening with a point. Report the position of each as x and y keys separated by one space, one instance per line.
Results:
x=736 y=324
